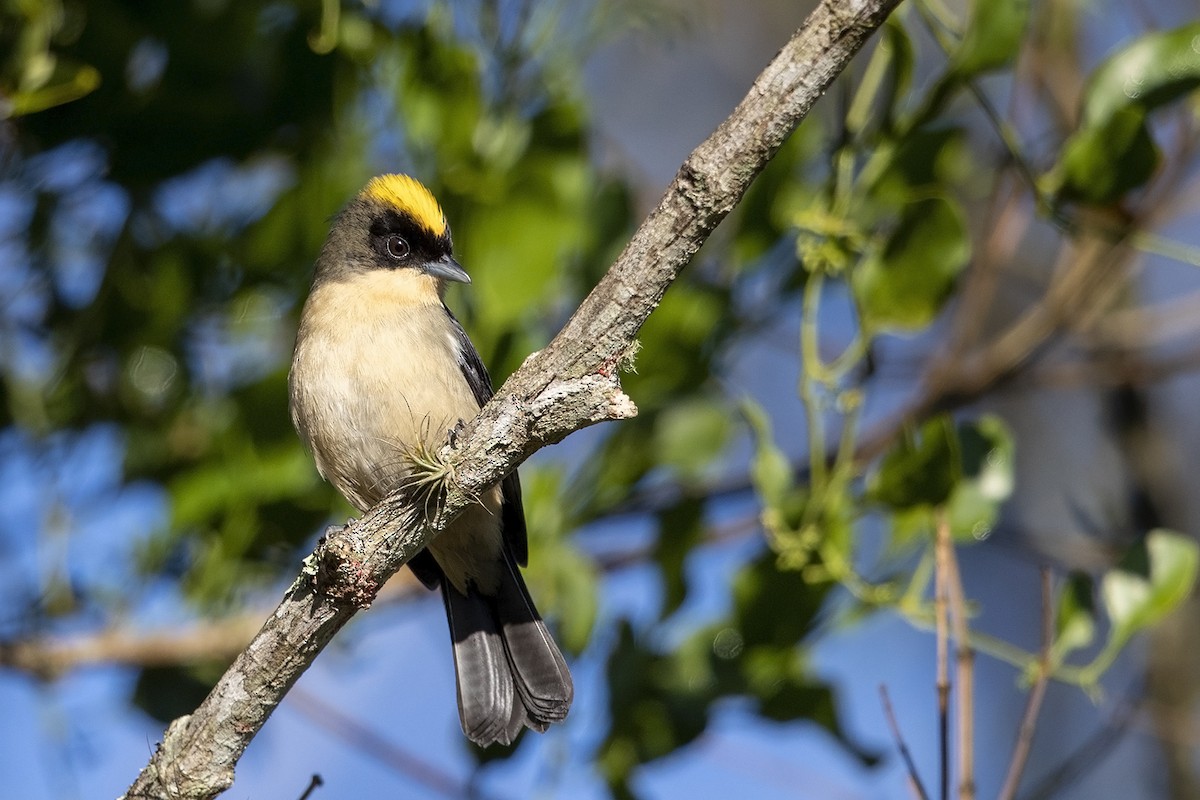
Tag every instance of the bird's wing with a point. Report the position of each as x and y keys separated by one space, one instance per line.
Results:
x=476 y=375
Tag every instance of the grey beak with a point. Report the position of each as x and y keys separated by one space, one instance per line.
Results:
x=447 y=268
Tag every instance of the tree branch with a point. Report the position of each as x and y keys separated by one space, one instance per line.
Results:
x=217 y=640
x=941 y=605
x=571 y=384
x=964 y=657
x=914 y=777
x=1083 y=282
x=1033 y=706
x=433 y=779
x=221 y=640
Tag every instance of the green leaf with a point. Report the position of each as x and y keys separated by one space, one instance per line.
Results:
x=1151 y=72
x=836 y=522
x=920 y=470
x=987 y=476
x=653 y=707
x=917 y=163
x=910 y=526
x=902 y=59
x=537 y=234
x=169 y=692
x=245 y=478
x=574 y=589
x=69 y=82
x=791 y=699
x=773 y=606
x=1075 y=621
x=1113 y=151
x=689 y=318
x=680 y=528
x=562 y=577
x=770 y=470
x=619 y=463
x=689 y=435
x=885 y=83
x=904 y=285
x=1137 y=599
x=1101 y=163
x=992 y=39
x=987 y=455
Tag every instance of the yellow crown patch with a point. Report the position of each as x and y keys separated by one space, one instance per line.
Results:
x=407 y=195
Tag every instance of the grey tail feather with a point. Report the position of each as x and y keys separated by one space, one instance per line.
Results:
x=511 y=674
x=542 y=679
x=485 y=685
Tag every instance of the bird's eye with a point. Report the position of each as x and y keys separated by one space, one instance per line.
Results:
x=397 y=247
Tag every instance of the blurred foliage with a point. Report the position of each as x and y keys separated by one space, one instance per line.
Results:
x=34 y=76
x=164 y=205
x=885 y=216
x=1113 y=151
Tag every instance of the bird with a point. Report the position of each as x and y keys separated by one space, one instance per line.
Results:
x=382 y=366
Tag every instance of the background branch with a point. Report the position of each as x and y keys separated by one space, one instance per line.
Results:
x=569 y=385
x=221 y=640
x=941 y=594
x=964 y=659
x=432 y=779
x=217 y=640
x=914 y=777
x=1037 y=693
x=1083 y=281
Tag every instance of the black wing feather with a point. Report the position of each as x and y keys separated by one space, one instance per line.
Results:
x=426 y=569
x=512 y=510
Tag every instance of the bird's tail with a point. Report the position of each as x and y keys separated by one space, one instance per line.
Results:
x=511 y=674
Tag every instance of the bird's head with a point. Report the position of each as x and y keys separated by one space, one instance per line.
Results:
x=394 y=225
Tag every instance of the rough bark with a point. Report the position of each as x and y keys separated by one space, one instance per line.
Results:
x=574 y=382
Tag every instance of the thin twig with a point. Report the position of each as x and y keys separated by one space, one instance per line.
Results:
x=312 y=786
x=914 y=778
x=362 y=739
x=219 y=640
x=1091 y=751
x=941 y=613
x=1084 y=279
x=210 y=641
x=1037 y=692
x=964 y=660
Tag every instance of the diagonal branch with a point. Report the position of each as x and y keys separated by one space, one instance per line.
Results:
x=574 y=382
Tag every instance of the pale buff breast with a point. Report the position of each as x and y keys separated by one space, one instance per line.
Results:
x=376 y=369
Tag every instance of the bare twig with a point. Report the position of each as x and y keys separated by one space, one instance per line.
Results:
x=1008 y=222
x=1111 y=369
x=432 y=779
x=964 y=660
x=914 y=778
x=941 y=615
x=1091 y=750
x=1150 y=325
x=571 y=384
x=313 y=785
x=216 y=640
x=220 y=640
x=1084 y=280
x=1037 y=692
